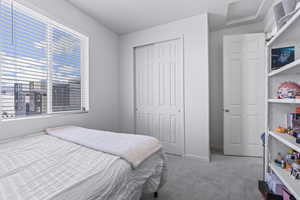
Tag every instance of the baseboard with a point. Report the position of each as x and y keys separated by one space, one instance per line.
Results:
x=200 y=158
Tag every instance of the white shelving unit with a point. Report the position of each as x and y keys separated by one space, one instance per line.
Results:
x=276 y=109
x=284 y=29
x=288 y=101
x=286 y=68
x=287 y=140
x=292 y=184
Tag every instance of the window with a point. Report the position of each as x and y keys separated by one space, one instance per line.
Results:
x=43 y=65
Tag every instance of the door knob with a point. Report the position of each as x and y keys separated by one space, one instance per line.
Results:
x=227 y=110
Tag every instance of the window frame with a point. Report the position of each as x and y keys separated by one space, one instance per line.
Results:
x=84 y=66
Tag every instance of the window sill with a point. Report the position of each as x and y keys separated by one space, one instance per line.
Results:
x=45 y=116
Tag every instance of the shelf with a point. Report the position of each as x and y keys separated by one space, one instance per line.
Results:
x=292 y=65
x=290 y=141
x=287 y=101
x=284 y=28
x=292 y=184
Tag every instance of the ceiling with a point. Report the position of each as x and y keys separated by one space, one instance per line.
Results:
x=124 y=16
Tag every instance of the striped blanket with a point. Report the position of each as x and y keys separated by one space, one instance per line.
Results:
x=47 y=168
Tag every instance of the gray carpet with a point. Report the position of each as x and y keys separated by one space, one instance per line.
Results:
x=225 y=178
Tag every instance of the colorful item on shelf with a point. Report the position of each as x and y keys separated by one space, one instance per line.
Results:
x=298 y=140
x=279 y=161
x=290 y=132
x=297 y=157
x=281 y=130
x=289 y=159
x=293 y=121
x=290 y=151
x=288 y=90
x=295 y=172
x=282 y=56
x=291 y=162
x=286 y=195
x=274 y=183
x=297 y=110
x=297 y=161
x=288 y=166
x=293 y=133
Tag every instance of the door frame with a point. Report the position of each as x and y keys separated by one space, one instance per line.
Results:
x=182 y=120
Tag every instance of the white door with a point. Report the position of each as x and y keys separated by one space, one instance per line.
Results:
x=159 y=93
x=244 y=93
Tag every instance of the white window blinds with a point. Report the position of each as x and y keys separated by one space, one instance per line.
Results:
x=66 y=81
x=42 y=65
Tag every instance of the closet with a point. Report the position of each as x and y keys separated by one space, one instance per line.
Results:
x=159 y=109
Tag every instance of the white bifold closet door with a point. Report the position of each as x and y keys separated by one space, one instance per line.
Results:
x=159 y=93
x=244 y=94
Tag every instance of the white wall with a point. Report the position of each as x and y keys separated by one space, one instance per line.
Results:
x=195 y=33
x=104 y=84
x=269 y=22
x=216 y=79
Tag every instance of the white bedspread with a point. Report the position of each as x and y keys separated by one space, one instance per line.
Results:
x=133 y=148
x=47 y=168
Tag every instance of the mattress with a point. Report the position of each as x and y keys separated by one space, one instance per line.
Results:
x=43 y=167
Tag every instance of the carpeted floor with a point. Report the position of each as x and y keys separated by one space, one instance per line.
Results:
x=225 y=178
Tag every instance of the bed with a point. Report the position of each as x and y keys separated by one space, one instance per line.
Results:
x=44 y=167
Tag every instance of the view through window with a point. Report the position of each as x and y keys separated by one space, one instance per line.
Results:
x=41 y=64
